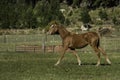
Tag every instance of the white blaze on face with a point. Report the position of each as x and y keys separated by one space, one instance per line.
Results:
x=51 y=26
x=50 y=30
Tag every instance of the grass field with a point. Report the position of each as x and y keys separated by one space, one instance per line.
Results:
x=34 y=66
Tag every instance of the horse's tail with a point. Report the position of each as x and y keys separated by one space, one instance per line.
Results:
x=98 y=42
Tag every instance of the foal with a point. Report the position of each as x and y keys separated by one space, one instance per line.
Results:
x=77 y=41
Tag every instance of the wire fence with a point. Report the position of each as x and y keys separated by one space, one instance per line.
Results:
x=43 y=43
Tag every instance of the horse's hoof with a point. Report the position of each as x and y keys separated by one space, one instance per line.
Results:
x=79 y=64
x=56 y=65
x=108 y=61
x=97 y=65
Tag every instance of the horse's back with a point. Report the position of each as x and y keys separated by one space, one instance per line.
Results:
x=80 y=40
x=94 y=34
x=91 y=33
x=91 y=36
x=85 y=38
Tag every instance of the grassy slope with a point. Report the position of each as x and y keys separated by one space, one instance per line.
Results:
x=31 y=66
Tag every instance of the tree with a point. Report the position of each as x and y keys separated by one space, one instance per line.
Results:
x=7 y=14
x=29 y=18
x=46 y=11
x=76 y=3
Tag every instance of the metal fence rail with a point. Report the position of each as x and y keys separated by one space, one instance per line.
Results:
x=42 y=43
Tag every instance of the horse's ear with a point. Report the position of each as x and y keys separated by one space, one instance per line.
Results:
x=55 y=23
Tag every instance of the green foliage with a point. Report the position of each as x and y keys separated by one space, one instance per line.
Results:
x=76 y=3
x=29 y=18
x=48 y=11
x=17 y=14
x=67 y=21
x=6 y=14
x=85 y=17
x=115 y=21
x=103 y=14
x=115 y=15
x=93 y=3
x=26 y=18
x=41 y=12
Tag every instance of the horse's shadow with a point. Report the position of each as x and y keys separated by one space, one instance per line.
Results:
x=103 y=64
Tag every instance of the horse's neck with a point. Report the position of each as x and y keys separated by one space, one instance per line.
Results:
x=63 y=33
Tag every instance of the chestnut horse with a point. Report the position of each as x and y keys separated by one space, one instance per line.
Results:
x=77 y=41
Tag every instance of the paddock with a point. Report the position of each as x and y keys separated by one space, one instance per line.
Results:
x=31 y=66
x=39 y=65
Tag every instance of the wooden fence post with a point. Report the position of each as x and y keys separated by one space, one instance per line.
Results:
x=5 y=38
x=53 y=46
x=43 y=45
x=44 y=39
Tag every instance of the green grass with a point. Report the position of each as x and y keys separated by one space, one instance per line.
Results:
x=34 y=66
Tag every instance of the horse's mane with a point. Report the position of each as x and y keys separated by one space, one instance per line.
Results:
x=63 y=28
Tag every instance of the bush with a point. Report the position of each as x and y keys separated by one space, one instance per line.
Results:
x=103 y=14
x=85 y=17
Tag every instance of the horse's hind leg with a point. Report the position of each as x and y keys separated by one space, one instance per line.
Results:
x=98 y=54
x=106 y=57
x=98 y=62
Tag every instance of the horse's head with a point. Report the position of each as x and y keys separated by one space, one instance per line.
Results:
x=53 y=29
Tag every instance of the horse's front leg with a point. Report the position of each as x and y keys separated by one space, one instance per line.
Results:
x=62 y=56
x=78 y=58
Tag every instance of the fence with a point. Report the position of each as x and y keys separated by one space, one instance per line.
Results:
x=47 y=43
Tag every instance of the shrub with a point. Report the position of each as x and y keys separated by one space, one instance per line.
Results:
x=103 y=14
x=85 y=17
